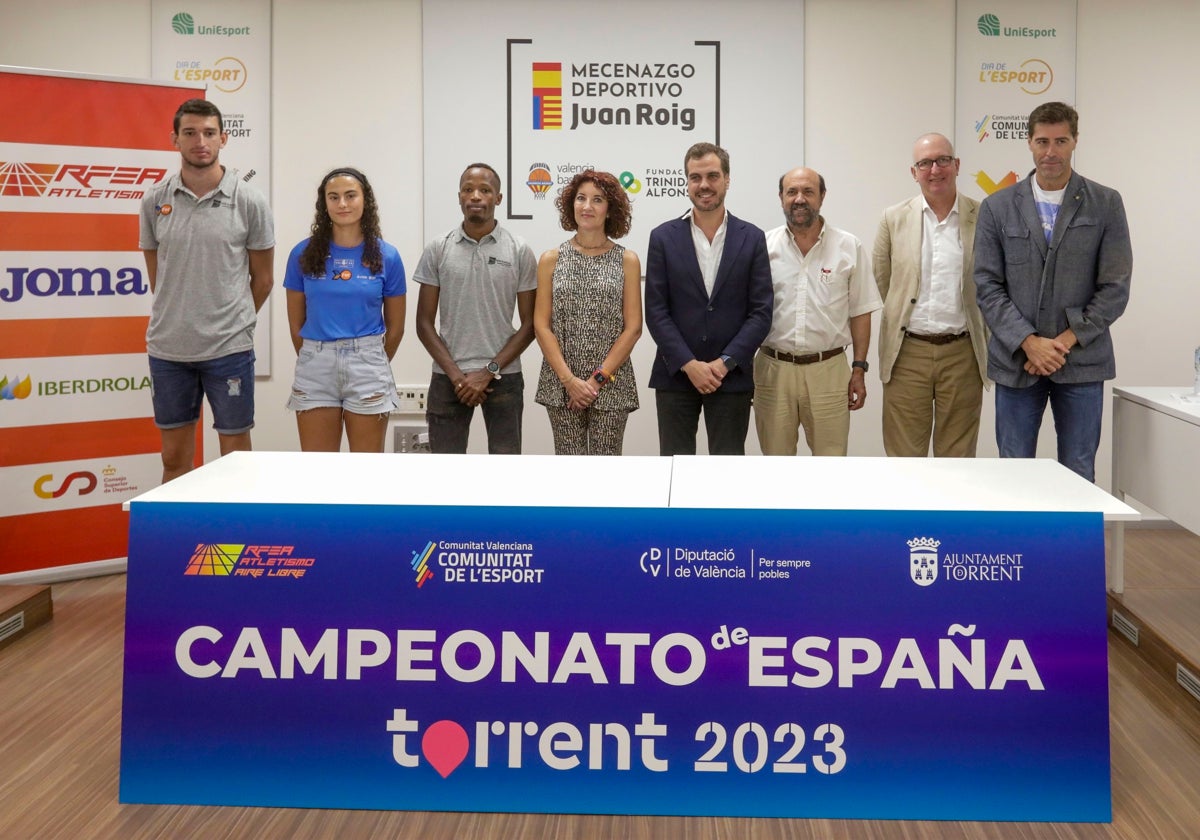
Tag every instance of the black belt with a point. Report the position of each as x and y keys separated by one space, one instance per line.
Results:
x=944 y=338
x=805 y=359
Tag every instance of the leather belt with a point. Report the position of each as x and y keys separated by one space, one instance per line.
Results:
x=805 y=359
x=944 y=338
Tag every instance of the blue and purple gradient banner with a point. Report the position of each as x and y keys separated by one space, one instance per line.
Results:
x=648 y=661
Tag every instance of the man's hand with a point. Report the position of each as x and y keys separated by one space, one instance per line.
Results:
x=702 y=376
x=1044 y=355
x=856 y=393
x=474 y=387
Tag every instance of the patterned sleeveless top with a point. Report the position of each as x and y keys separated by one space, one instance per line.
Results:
x=586 y=317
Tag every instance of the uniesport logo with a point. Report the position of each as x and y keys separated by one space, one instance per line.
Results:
x=183 y=23
x=547 y=96
x=989 y=25
x=75 y=180
x=241 y=560
x=923 y=560
x=989 y=186
x=18 y=389
x=42 y=490
x=540 y=180
x=420 y=563
x=631 y=184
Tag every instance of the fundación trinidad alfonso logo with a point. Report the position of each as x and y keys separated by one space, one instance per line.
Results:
x=547 y=96
x=420 y=563
x=241 y=560
x=923 y=560
x=17 y=389
x=989 y=186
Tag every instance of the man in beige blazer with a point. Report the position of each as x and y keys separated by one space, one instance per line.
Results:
x=932 y=341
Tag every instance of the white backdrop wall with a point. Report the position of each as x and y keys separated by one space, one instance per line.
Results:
x=347 y=89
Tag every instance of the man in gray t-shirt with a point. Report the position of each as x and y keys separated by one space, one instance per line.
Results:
x=472 y=279
x=209 y=243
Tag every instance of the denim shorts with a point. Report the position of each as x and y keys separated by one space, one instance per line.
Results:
x=352 y=373
x=177 y=389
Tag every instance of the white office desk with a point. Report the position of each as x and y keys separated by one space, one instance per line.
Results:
x=339 y=478
x=964 y=484
x=761 y=624
x=1156 y=457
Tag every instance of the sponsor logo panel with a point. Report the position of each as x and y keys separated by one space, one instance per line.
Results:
x=73 y=284
x=85 y=483
x=37 y=178
x=77 y=388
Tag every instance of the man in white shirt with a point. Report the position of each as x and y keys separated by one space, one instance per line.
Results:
x=824 y=296
x=932 y=341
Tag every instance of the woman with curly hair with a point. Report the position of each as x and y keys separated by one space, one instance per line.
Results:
x=587 y=317
x=345 y=303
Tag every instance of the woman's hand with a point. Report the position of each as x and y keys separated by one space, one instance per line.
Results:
x=580 y=394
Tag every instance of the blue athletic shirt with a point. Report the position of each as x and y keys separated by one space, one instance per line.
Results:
x=347 y=300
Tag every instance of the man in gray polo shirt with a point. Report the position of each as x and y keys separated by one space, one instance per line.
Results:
x=209 y=243
x=472 y=279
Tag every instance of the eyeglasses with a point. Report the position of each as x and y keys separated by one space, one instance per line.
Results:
x=926 y=164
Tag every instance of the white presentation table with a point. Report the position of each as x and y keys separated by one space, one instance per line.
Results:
x=1156 y=458
x=779 y=633
x=387 y=479
x=964 y=484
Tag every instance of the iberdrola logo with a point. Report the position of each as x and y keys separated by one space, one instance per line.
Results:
x=18 y=389
x=183 y=24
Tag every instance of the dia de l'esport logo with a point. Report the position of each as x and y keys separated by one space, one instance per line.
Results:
x=989 y=25
x=183 y=24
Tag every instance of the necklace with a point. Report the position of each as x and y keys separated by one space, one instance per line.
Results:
x=583 y=247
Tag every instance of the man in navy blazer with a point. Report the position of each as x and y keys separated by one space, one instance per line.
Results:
x=708 y=308
x=1052 y=271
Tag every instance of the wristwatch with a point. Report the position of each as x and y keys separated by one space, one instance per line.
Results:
x=603 y=378
x=730 y=362
x=863 y=366
x=494 y=370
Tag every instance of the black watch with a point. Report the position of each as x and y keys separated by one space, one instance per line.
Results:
x=863 y=366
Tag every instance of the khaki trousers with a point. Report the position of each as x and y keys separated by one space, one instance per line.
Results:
x=935 y=392
x=788 y=396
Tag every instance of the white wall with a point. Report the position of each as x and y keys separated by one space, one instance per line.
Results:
x=347 y=89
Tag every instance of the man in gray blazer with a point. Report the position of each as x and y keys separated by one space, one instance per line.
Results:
x=932 y=342
x=1052 y=272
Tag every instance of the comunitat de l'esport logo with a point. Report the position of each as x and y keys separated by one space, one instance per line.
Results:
x=926 y=566
x=476 y=561
x=252 y=561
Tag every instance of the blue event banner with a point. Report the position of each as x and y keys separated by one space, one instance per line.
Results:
x=855 y=664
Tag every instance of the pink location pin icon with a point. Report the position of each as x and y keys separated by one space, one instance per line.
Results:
x=444 y=745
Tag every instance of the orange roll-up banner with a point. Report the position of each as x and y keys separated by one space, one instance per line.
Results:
x=77 y=436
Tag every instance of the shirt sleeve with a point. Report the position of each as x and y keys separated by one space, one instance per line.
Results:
x=393 y=274
x=864 y=294
x=427 y=268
